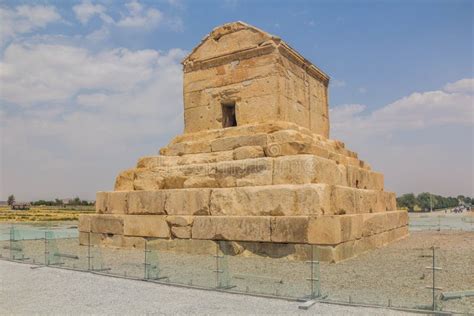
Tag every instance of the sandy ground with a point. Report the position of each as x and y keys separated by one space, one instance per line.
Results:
x=394 y=275
x=48 y=291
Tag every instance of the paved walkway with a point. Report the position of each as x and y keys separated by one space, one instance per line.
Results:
x=56 y=291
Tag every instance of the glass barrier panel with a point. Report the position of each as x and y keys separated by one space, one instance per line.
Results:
x=65 y=252
x=454 y=276
x=124 y=262
x=282 y=270
x=390 y=276
x=5 y=241
x=183 y=262
x=16 y=245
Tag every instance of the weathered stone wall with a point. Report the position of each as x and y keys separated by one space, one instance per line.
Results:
x=264 y=79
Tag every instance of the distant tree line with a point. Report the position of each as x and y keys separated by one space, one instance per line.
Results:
x=57 y=202
x=426 y=200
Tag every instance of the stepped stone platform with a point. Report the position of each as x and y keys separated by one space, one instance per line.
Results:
x=254 y=166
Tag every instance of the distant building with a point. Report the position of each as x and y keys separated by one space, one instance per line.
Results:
x=20 y=206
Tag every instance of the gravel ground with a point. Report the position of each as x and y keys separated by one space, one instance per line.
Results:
x=45 y=290
x=394 y=275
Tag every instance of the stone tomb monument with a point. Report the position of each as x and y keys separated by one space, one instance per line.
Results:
x=255 y=164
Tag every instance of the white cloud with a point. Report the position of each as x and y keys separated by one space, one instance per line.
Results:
x=362 y=90
x=35 y=73
x=140 y=17
x=77 y=117
x=418 y=110
x=25 y=18
x=86 y=10
x=461 y=86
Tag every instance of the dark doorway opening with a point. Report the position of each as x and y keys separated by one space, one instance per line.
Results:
x=228 y=114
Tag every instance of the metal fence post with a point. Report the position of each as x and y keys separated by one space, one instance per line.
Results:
x=88 y=251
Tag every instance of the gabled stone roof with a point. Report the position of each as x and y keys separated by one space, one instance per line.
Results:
x=253 y=39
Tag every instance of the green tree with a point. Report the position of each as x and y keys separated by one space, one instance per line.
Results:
x=407 y=200
x=11 y=199
x=423 y=200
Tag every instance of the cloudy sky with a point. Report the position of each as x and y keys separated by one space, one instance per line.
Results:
x=87 y=87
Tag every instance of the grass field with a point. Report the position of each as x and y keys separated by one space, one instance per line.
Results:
x=41 y=214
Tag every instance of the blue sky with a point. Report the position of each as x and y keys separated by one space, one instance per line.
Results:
x=89 y=86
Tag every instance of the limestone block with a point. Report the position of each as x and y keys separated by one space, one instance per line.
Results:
x=275 y=200
x=258 y=200
x=374 y=223
x=199 y=119
x=180 y=220
x=340 y=159
x=313 y=199
x=403 y=218
x=124 y=181
x=247 y=152
x=257 y=109
x=274 y=149
x=367 y=201
x=370 y=243
x=390 y=201
x=289 y=135
x=392 y=220
x=101 y=202
x=289 y=229
x=397 y=233
x=364 y=179
x=206 y=157
x=293 y=170
x=396 y=219
x=376 y=180
x=188 y=247
x=237 y=228
x=151 y=162
x=181 y=232
x=85 y=222
x=187 y=202
x=200 y=182
x=343 y=200
x=108 y=224
x=146 y=202
x=133 y=242
x=146 y=179
x=174 y=180
x=114 y=202
x=337 y=253
x=247 y=172
x=334 y=229
x=230 y=143
x=106 y=239
x=184 y=148
x=117 y=202
x=307 y=169
x=146 y=226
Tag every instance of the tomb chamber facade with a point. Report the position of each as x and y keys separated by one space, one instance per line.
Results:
x=255 y=163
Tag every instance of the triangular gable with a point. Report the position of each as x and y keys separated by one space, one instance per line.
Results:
x=228 y=38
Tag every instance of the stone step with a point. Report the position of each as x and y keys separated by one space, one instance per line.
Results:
x=278 y=200
x=274 y=140
x=319 y=230
x=296 y=169
x=301 y=252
